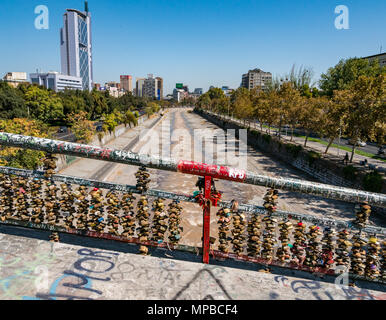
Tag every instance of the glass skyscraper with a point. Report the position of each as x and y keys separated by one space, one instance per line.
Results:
x=75 y=46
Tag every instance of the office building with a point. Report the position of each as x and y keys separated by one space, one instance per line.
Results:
x=56 y=81
x=113 y=84
x=126 y=83
x=160 y=88
x=380 y=57
x=179 y=94
x=256 y=78
x=139 y=86
x=152 y=87
x=75 y=46
x=15 y=78
x=198 y=91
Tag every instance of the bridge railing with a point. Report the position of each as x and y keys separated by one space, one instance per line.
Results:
x=261 y=234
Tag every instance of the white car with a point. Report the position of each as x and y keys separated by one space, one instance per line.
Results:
x=359 y=143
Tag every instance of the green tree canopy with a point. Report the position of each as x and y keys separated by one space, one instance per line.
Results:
x=346 y=72
x=43 y=104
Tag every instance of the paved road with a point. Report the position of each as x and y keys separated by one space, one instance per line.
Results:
x=80 y=268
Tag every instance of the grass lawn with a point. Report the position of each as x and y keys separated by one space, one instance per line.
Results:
x=359 y=152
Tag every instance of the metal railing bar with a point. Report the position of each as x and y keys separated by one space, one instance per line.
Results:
x=190 y=167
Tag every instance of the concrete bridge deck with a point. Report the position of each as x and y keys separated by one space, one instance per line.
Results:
x=85 y=268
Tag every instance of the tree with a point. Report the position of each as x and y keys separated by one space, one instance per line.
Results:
x=43 y=104
x=204 y=101
x=332 y=118
x=129 y=118
x=22 y=158
x=379 y=133
x=242 y=104
x=110 y=123
x=289 y=104
x=12 y=104
x=82 y=128
x=73 y=102
x=310 y=118
x=346 y=72
x=364 y=101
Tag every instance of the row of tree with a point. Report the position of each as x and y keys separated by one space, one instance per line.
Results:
x=36 y=111
x=351 y=101
x=35 y=102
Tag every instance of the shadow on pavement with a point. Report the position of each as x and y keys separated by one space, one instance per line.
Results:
x=177 y=255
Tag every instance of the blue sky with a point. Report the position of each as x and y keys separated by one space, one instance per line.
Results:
x=199 y=43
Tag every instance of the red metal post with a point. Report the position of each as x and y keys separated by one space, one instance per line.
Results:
x=206 y=221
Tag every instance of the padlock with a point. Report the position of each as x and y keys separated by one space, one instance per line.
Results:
x=358 y=255
x=284 y=252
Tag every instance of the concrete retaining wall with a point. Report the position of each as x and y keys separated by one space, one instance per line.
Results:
x=64 y=160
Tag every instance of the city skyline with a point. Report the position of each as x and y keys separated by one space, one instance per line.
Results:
x=215 y=49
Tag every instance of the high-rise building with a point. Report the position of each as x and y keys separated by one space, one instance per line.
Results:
x=256 y=78
x=126 y=83
x=139 y=86
x=160 y=88
x=153 y=87
x=75 y=45
x=56 y=81
x=150 y=87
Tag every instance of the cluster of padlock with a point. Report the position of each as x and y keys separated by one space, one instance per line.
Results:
x=328 y=246
x=358 y=255
x=6 y=197
x=362 y=212
x=49 y=165
x=22 y=204
x=51 y=190
x=372 y=258
x=143 y=229
x=299 y=245
x=67 y=204
x=143 y=179
x=269 y=236
x=383 y=261
x=238 y=231
x=342 y=251
x=254 y=234
x=174 y=213
x=81 y=199
x=127 y=220
x=112 y=208
x=160 y=223
x=37 y=203
x=313 y=247
x=224 y=219
x=54 y=237
x=95 y=218
x=143 y=215
x=284 y=251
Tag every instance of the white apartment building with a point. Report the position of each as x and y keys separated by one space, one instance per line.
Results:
x=56 y=81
